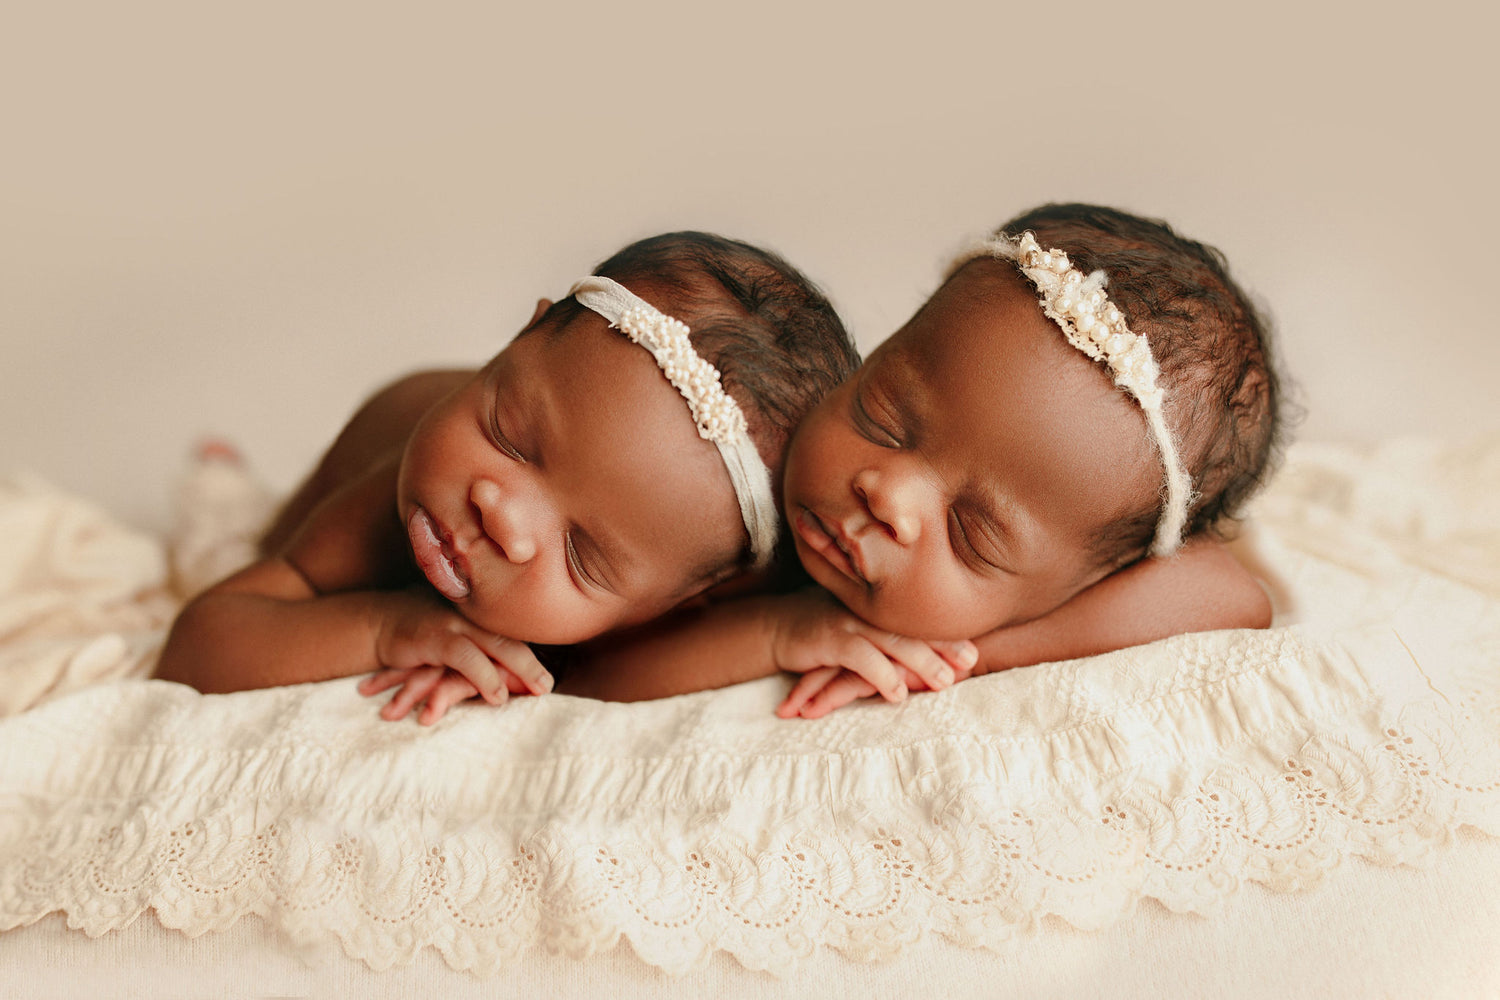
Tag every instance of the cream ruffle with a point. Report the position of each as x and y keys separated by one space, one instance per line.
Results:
x=1180 y=771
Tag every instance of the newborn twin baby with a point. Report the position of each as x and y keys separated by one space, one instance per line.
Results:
x=1033 y=468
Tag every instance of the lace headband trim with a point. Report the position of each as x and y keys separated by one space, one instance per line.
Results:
x=1095 y=325
x=717 y=415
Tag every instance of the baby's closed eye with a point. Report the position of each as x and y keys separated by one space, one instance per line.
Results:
x=875 y=422
x=976 y=538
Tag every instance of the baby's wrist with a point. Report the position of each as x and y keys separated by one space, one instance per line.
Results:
x=776 y=631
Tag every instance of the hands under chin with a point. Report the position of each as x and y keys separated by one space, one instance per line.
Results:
x=436 y=658
x=843 y=658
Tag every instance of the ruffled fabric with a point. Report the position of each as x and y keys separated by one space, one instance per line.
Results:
x=1367 y=726
x=82 y=598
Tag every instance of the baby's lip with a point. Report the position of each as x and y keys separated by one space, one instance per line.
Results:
x=832 y=544
x=445 y=568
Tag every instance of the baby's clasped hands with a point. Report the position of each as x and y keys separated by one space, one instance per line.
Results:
x=816 y=636
x=437 y=656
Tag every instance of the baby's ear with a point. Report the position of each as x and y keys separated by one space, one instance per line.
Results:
x=542 y=305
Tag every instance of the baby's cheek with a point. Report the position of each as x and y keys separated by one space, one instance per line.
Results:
x=567 y=618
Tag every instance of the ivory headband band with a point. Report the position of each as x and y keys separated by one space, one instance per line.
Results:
x=1095 y=325
x=717 y=415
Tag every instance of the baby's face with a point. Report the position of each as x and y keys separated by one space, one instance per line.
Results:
x=954 y=484
x=564 y=491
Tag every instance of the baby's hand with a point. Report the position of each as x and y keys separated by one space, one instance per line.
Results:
x=423 y=632
x=436 y=689
x=827 y=688
x=817 y=636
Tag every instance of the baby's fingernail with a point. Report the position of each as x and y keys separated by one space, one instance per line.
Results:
x=946 y=676
x=900 y=692
x=547 y=683
x=969 y=654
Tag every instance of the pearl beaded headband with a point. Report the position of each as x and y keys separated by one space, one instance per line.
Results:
x=1095 y=326
x=717 y=415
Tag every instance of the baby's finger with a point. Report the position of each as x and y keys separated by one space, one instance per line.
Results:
x=450 y=690
x=807 y=685
x=916 y=656
x=462 y=654
x=518 y=658
x=962 y=654
x=412 y=693
x=845 y=688
x=383 y=680
x=871 y=663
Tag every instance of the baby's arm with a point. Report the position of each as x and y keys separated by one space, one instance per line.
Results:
x=747 y=638
x=318 y=611
x=1200 y=589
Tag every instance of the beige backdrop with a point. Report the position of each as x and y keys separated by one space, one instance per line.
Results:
x=237 y=219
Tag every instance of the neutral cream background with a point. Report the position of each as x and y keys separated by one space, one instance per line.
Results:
x=238 y=219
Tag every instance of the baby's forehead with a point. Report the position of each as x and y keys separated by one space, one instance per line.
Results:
x=608 y=422
x=980 y=320
x=985 y=369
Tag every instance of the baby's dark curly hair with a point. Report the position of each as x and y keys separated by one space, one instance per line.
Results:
x=776 y=340
x=1224 y=396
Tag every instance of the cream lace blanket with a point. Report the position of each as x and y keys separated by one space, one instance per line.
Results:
x=1367 y=727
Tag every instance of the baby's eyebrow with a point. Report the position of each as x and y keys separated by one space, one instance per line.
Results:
x=903 y=392
x=530 y=411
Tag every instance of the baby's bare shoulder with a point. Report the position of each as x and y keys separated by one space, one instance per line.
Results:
x=387 y=418
x=385 y=421
x=373 y=437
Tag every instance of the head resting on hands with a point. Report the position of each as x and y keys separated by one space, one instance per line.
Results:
x=983 y=466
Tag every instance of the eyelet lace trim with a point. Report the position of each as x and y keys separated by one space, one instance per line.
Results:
x=296 y=833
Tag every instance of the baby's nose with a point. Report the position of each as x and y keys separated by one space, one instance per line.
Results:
x=894 y=501
x=503 y=517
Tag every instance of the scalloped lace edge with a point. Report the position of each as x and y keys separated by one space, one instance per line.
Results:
x=977 y=870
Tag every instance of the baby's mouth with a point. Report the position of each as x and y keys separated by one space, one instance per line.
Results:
x=435 y=555
x=831 y=545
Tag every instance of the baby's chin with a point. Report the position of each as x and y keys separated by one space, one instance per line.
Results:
x=926 y=623
x=903 y=616
x=551 y=633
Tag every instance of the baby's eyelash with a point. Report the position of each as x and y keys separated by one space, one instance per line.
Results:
x=575 y=564
x=963 y=545
x=872 y=429
x=501 y=441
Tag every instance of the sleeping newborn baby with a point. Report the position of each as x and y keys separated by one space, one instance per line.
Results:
x=596 y=473
x=1040 y=457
